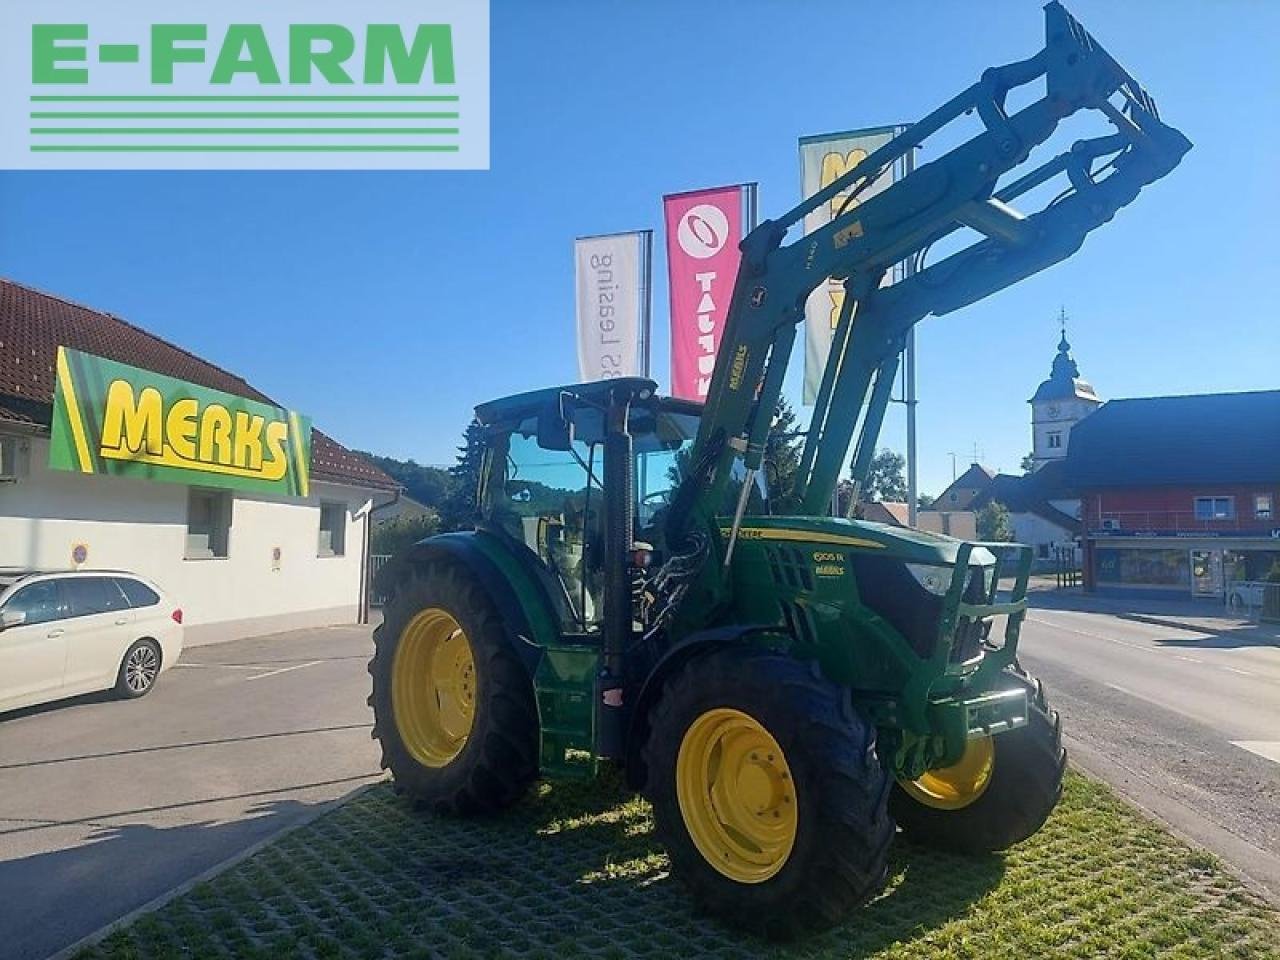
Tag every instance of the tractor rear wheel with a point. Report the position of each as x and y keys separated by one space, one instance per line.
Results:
x=999 y=793
x=453 y=706
x=767 y=792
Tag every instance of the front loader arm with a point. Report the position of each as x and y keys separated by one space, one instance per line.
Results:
x=865 y=239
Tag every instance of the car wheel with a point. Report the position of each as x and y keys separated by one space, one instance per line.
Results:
x=138 y=670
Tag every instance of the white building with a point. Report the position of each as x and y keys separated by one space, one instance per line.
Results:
x=239 y=563
x=1059 y=404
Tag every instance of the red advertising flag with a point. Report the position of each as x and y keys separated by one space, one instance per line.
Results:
x=704 y=229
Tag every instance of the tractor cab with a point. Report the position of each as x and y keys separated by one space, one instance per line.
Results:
x=549 y=491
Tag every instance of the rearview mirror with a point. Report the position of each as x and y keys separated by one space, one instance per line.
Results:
x=555 y=424
x=12 y=618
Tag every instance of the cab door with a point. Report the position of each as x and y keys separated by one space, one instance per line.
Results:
x=33 y=652
x=98 y=632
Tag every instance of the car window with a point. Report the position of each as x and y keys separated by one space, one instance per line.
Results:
x=39 y=601
x=138 y=594
x=90 y=595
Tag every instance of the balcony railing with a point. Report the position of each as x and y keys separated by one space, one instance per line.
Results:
x=1176 y=521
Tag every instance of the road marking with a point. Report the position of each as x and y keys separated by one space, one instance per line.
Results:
x=1243 y=673
x=1267 y=749
x=207 y=666
x=276 y=673
x=1178 y=656
x=1095 y=636
x=1127 y=692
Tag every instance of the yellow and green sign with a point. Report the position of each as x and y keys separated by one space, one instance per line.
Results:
x=111 y=418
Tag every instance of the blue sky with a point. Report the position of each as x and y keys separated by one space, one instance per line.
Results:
x=386 y=305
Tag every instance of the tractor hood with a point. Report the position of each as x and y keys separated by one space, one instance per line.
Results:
x=903 y=543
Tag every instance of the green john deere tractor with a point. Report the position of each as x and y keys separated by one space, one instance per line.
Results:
x=784 y=689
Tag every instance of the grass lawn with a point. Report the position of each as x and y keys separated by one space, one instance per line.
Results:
x=575 y=871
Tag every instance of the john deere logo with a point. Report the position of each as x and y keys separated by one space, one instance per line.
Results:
x=242 y=84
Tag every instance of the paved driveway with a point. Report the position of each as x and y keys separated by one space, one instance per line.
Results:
x=105 y=804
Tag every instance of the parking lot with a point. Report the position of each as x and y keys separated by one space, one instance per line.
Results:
x=106 y=804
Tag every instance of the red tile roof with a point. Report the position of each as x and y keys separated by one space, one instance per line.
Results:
x=34 y=324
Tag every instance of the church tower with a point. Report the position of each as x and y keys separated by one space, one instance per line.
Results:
x=1059 y=403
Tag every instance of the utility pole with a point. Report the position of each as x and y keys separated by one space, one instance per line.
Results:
x=908 y=268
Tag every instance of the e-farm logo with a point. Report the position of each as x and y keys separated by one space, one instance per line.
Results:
x=317 y=85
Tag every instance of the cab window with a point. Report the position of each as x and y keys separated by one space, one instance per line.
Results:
x=549 y=501
x=40 y=602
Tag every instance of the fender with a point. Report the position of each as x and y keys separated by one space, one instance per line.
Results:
x=522 y=603
x=695 y=645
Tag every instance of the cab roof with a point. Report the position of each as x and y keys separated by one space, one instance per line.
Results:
x=520 y=406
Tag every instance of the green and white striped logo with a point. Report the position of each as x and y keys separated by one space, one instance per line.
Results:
x=244 y=85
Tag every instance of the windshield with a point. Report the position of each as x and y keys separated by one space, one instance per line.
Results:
x=663 y=440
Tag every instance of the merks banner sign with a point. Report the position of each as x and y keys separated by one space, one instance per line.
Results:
x=111 y=418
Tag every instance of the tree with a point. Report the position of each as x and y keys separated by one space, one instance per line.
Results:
x=396 y=535
x=429 y=486
x=460 y=510
x=994 y=523
x=1028 y=463
x=925 y=502
x=782 y=459
x=885 y=478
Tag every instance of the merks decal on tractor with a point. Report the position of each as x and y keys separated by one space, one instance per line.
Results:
x=112 y=418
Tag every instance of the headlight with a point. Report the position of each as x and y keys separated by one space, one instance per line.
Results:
x=934 y=579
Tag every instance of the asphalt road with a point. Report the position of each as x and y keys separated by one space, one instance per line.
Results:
x=1177 y=708
x=105 y=804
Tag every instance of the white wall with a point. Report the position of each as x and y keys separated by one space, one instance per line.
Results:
x=140 y=525
x=1070 y=412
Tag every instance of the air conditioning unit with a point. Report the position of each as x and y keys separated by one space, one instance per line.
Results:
x=1111 y=523
x=13 y=457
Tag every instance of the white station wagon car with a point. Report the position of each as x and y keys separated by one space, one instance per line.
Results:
x=66 y=633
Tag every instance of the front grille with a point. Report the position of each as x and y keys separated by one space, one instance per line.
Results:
x=789 y=568
x=970 y=631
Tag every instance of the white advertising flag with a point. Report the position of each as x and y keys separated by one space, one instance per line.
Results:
x=612 y=301
x=824 y=159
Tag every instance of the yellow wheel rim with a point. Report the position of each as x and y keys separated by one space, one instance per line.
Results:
x=433 y=687
x=962 y=783
x=736 y=795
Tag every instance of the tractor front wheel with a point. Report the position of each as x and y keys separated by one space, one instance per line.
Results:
x=767 y=792
x=999 y=793
x=453 y=706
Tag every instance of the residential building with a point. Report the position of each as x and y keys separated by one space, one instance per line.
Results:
x=1180 y=494
x=240 y=561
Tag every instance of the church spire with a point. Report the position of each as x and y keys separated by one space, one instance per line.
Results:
x=1064 y=366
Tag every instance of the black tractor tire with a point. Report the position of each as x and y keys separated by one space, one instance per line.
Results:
x=139 y=670
x=499 y=759
x=843 y=830
x=1025 y=786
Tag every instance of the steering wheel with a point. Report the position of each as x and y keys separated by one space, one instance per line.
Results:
x=652 y=503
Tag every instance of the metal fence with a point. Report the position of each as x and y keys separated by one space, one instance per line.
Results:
x=376 y=562
x=1256 y=599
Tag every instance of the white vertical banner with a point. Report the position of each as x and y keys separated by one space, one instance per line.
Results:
x=823 y=160
x=612 y=277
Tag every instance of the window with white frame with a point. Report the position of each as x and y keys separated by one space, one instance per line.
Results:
x=1055 y=440
x=208 y=524
x=1262 y=506
x=333 y=529
x=1215 y=508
